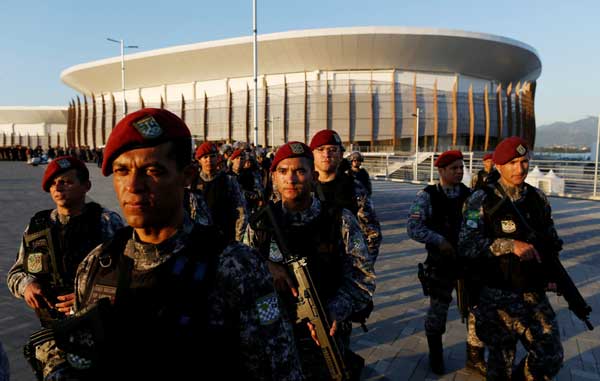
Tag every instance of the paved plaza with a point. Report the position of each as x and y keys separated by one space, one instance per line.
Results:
x=395 y=346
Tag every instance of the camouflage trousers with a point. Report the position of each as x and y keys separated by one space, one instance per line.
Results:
x=49 y=356
x=505 y=317
x=440 y=297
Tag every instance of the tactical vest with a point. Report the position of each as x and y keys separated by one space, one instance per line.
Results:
x=218 y=199
x=339 y=192
x=446 y=216
x=246 y=180
x=53 y=251
x=320 y=242
x=161 y=314
x=363 y=177
x=508 y=271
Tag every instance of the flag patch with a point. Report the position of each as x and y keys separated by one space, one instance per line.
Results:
x=268 y=309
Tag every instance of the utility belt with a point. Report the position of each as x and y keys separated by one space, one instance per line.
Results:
x=436 y=280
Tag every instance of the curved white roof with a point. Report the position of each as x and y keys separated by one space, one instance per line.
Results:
x=33 y=114
x=359 y=48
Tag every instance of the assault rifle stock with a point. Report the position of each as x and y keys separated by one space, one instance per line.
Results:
x=309 y=308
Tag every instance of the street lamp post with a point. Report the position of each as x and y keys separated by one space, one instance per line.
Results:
x=596 y=164
x=123 y=47
x=416 y=165
x=255 y=64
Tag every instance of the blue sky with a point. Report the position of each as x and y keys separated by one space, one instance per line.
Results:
x=39 y=38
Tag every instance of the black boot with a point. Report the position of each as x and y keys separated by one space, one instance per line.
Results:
x=518 y=373
x=436 y=353
x=476 y=359
x=355 y=364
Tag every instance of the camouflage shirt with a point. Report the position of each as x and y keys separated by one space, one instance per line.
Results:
x=367 y=220
x=420 y=213
x=359 y=278
x=474 y=241
x=236 y=196
x=196 y=207
x=242 y=286
x=18 y=280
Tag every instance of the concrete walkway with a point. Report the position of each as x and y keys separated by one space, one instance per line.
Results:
x=395 y=346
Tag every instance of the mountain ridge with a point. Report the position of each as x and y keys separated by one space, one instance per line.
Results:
x=578 y=133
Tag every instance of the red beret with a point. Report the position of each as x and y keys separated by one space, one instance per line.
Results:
x=325 y=137
x=510 y=148
x=447 y=158
x=147 y=127
x=289 y=150
x=205 y=148
x=235 y=154
x=60 y=165
x=487 y=156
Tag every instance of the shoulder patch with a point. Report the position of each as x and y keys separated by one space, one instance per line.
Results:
x=268 y=309
x=415 y=212
x=471 y=217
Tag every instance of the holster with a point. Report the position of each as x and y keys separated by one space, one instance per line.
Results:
x=424 y=277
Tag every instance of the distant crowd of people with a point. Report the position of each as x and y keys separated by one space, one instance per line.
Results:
x=25 y=153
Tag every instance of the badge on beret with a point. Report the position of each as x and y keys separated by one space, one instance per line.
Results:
x=337 y=139
x=34 y=263
x=297 y=148
x=508 y=226
x=148 y=128
x=63 y=163
x=521 y=150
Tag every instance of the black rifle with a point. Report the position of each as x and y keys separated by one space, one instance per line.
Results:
x=554 y=268
x=308 y=305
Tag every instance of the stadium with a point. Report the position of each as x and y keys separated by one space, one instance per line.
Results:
x=392 y=89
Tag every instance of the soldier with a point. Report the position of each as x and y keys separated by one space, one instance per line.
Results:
x=333 y=244
x=512 y=301
x=339 y=188
x=249 y=180
x=360 y=174
x=222 y=194
x=169 y=298
x=434 y=219
x=53 y=245
x=485 y=176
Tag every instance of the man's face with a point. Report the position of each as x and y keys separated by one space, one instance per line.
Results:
x=452 y=174
x=237 y=163
x=515 y=171
x=68 y=191
x=294 y=179
x=149 y=186
x=327 y=158
x=488 y=164
x=356 y=164
x=208 y=163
